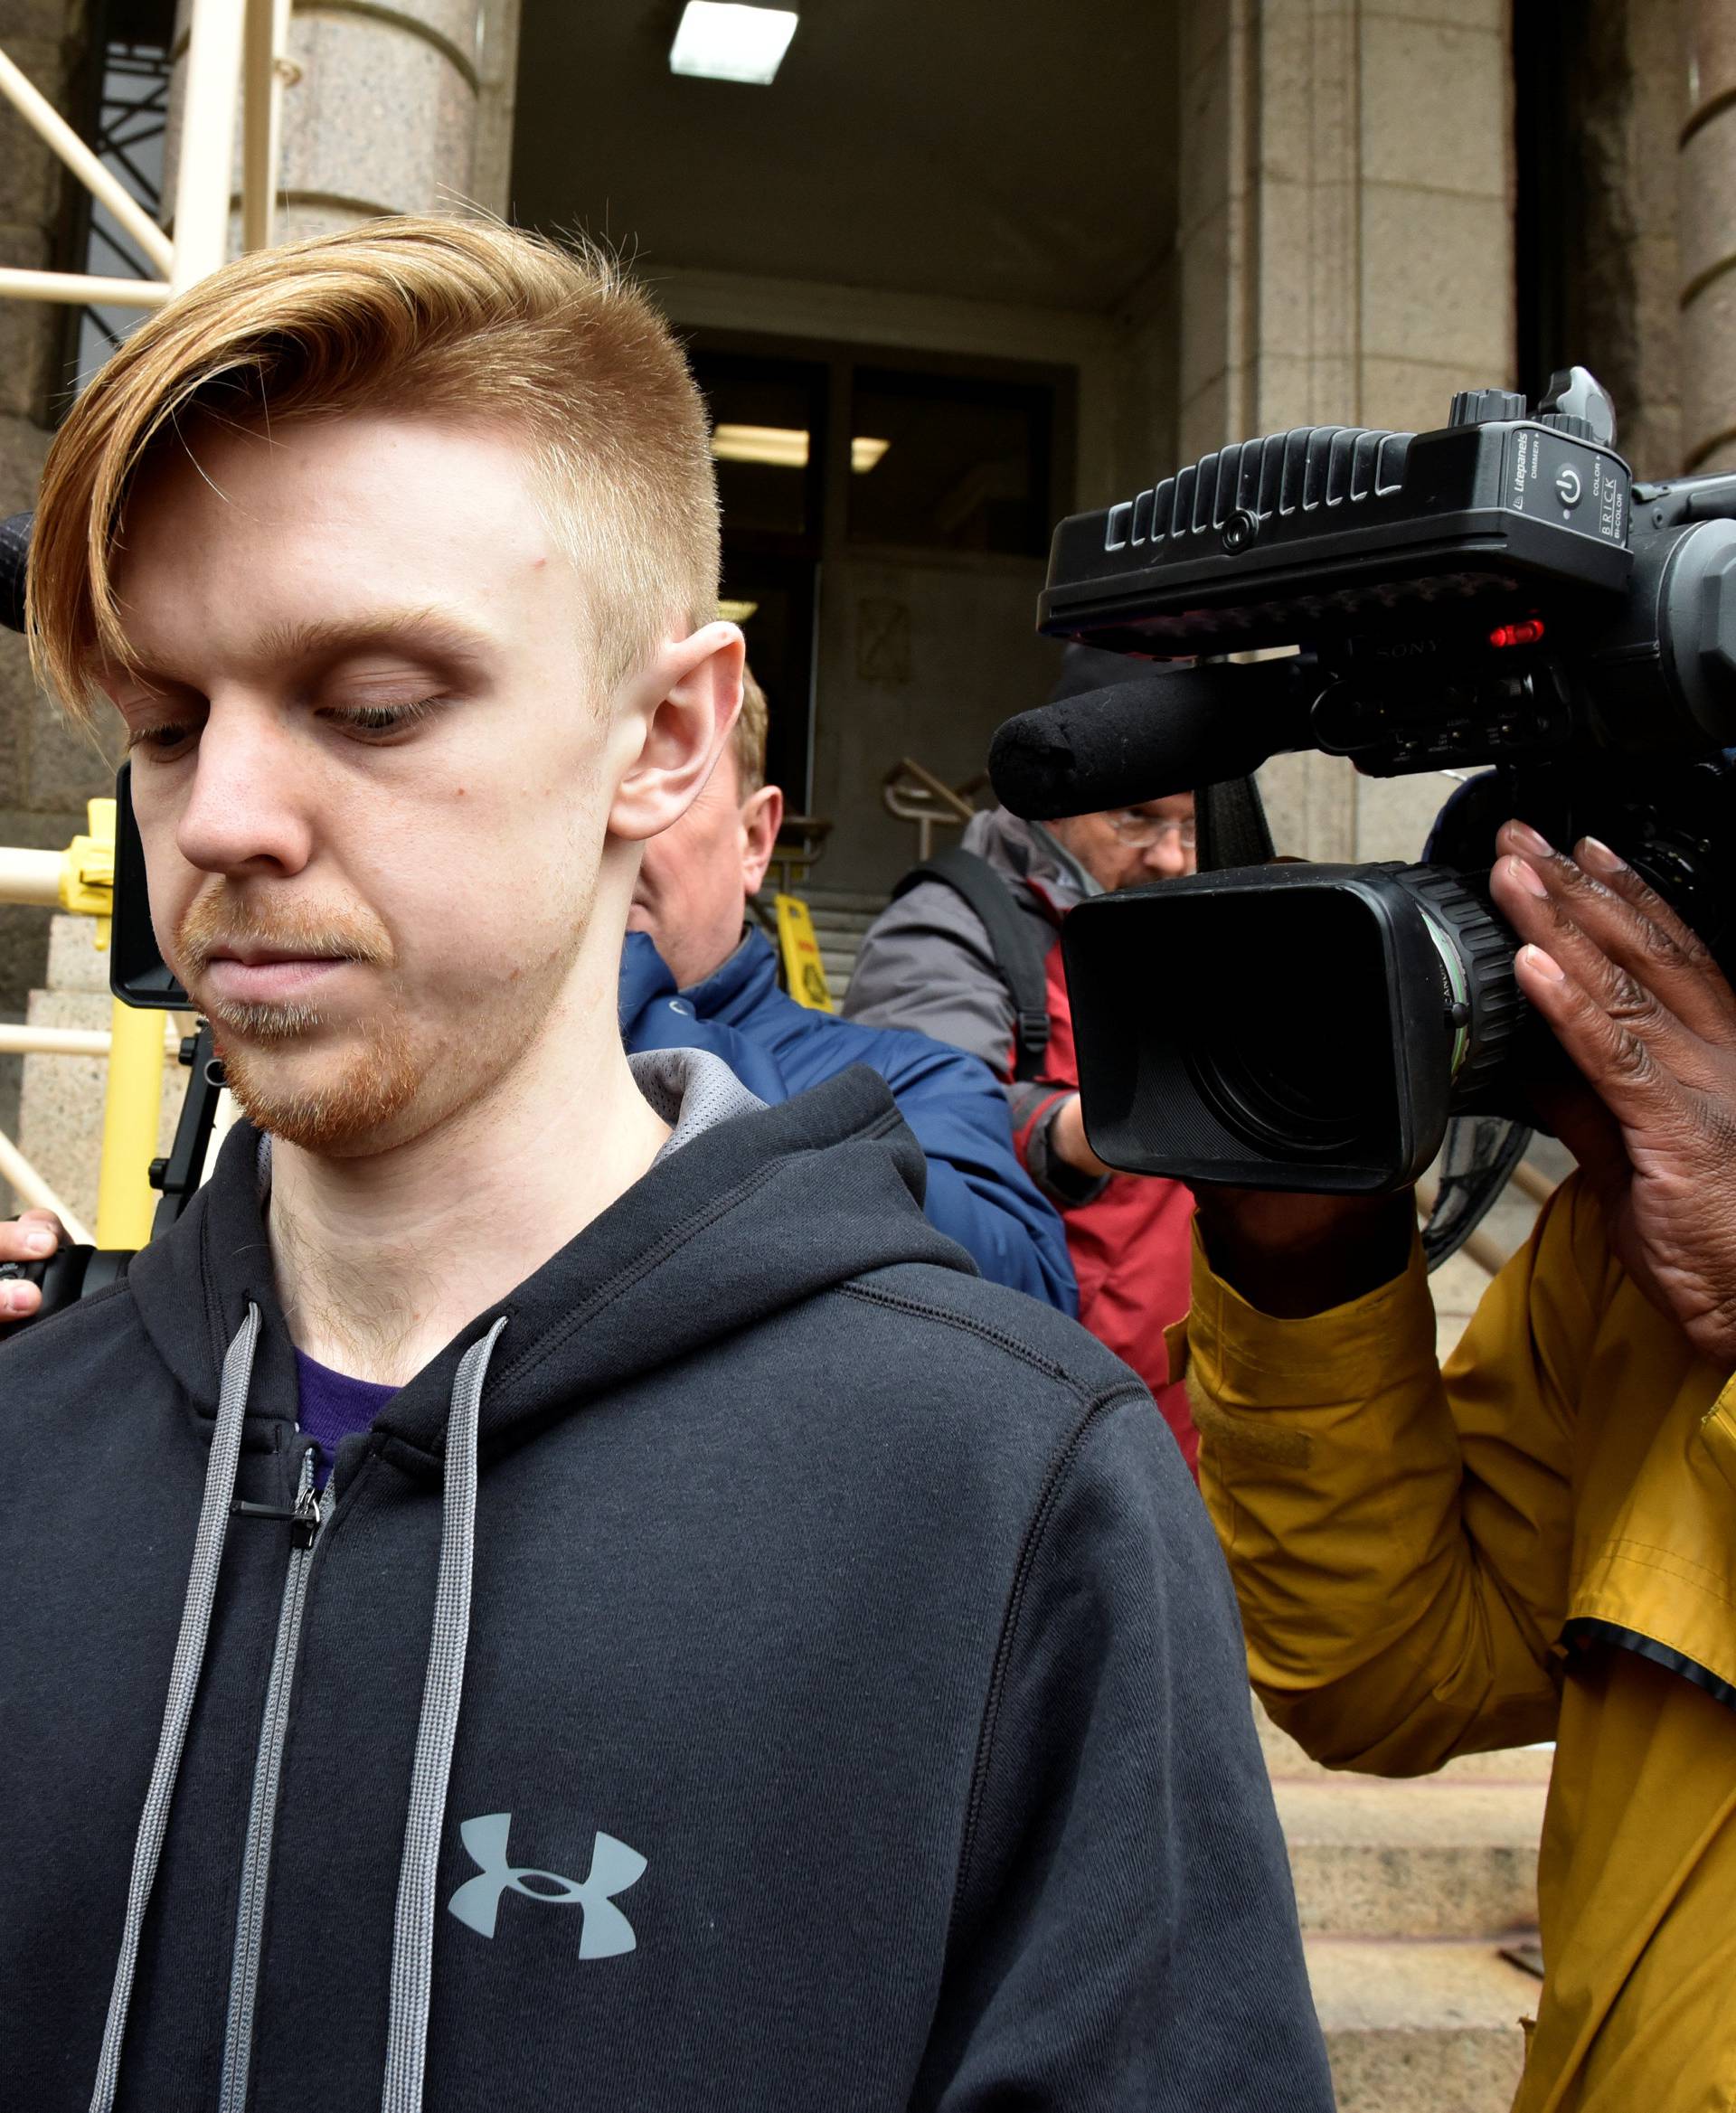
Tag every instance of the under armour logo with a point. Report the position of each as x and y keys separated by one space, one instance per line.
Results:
x=607 y=1932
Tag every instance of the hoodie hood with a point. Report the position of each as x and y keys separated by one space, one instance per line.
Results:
x=679 y=1259
x=1025 y=851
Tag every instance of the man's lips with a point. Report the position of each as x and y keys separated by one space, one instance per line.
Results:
x=265 y=975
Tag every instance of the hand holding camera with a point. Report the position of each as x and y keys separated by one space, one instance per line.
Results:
x=1649 y=1020
x=1638 y=1002
x=26 y=1241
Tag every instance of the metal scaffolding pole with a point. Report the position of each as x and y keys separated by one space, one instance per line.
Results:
x=198 y=243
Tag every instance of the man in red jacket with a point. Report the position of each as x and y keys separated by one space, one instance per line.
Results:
x=931 y=962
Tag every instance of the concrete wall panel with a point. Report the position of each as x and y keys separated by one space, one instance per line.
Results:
x=969 y=658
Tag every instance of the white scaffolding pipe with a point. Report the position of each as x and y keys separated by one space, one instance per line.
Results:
x=220 y=32
x=68 y=1041
x=36 y=1194
x=201 y=181
x=35 y=108
x=79 y=289
x=31 y=877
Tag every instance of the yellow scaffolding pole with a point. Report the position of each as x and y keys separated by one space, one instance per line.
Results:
x=132 y=1103
x=131 y=1110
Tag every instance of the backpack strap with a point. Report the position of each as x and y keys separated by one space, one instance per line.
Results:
x=1019 y=954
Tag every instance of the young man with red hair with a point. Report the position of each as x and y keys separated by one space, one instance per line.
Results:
x=552 y=1583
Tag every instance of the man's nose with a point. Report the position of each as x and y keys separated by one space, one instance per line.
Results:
x=1169 y=858
x=244 y=812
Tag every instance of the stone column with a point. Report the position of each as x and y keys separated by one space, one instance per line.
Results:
x=393 y=106
x=1345 y=255
x=1621 y=278
x=1706 y=231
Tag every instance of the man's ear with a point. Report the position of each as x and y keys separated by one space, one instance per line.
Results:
x=678 y=712
x=762 y=816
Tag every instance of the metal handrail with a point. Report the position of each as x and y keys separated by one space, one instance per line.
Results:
x=911 y=792
x=1532 y=1182
x=791 y=862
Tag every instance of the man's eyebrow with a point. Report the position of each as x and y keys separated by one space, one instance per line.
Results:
x=420 y=631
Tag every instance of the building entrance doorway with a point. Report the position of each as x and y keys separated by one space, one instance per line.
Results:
x=884 y=521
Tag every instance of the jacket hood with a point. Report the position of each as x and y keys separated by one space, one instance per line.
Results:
x=752 y=1215
x=1025 y=851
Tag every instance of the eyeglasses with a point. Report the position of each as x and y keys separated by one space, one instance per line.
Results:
x=1142 y=832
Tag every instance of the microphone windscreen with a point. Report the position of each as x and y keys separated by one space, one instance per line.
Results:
x=1136 y=741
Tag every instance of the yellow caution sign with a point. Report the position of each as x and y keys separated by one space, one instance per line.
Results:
x=804 y=971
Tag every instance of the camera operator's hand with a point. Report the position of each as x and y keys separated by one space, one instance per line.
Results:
x=31 y=1238
x=1640 y=1005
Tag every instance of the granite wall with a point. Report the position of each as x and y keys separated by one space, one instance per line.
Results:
x=1343 y=255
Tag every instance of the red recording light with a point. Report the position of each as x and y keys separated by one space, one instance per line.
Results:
x=1525 y=633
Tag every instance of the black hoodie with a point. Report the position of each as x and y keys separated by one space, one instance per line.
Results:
x=827 y=1693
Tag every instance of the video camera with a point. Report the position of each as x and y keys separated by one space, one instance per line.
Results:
x=1498 y=592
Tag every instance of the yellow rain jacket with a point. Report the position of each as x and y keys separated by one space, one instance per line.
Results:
x=1538 y=1542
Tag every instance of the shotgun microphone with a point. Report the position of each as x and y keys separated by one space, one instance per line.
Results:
x=1169 y=730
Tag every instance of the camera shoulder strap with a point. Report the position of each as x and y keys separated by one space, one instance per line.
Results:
x=1019 y=953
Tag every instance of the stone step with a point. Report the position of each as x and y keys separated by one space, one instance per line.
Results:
x=844 y=916
x=1413 y=1859
x=1513 y=1764
x=1420 y=2027
x=831 y=942
x=855 y=901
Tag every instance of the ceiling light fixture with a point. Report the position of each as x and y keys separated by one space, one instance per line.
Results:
x=736 y=612
x=720 y=40
x=785 y=447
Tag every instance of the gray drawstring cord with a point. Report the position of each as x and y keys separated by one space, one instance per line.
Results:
x=412 y=1940
x=183 y=1685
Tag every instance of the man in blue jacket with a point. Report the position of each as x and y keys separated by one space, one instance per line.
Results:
x=689 y=960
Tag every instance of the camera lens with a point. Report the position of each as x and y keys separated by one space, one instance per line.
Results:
x=1277 y=1067
x=1306 y=1027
